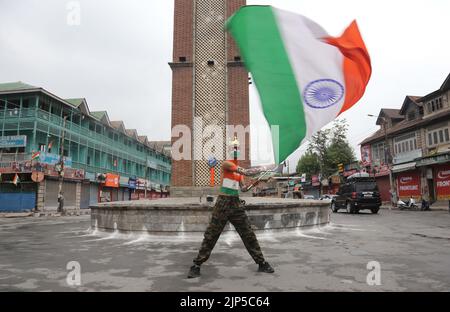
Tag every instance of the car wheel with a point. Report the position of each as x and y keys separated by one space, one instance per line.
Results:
x=350 y=208
x=334 y=208
x=375 y=211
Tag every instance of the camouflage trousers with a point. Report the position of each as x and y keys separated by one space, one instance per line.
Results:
x=229 y=208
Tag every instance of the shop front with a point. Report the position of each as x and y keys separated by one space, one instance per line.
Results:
x=331 y=186
x=408 y=185
x=132 y=183
x=125 y=191
x=436 y=177
x=382 y=176
x=17 y=192
x=442 y=182
x=71 y=188
x=109 y=190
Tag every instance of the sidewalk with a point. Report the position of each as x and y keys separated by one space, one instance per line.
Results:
x=435 y=207
x=50 y=213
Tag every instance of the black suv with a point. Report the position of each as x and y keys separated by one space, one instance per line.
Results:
x=358 y=193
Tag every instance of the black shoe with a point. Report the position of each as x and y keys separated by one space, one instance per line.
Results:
x=265 y=268
x=194 y=272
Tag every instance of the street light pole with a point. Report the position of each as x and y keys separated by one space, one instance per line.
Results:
x=387 y=159
x=61 y=168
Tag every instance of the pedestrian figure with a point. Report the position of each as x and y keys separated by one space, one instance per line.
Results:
x=61 y=202
x=229 y=208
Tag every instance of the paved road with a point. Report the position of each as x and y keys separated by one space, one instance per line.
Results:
x=413 y=249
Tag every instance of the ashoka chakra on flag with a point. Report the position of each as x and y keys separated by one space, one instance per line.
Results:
x=323 y=93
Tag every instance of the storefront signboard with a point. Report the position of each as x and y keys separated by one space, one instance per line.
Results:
x=409 y=185
x=53 y=159
x=112 y=180
x=443 y=182
x=366 y=155
x=13 y=141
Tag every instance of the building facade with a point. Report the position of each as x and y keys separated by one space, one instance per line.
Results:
x=413 y=145
x=210 y=85
x=103 y=161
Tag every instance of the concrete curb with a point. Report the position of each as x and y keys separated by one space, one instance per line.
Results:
x=70 y=213
x=16 y=215
x=435 y=208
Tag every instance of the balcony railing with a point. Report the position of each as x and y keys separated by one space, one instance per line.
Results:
x=131 y=153
x=9 y=158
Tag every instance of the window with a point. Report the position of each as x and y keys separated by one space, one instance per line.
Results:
x=25 y=103
x=439 y=135
x=411 y=116
x=13 y=104
x=76 y=119
x=405 y=143
x=56 y=110
x=44 y=106
x=378 y=152
x=435 y=105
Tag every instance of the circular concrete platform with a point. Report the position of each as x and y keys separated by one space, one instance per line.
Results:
x=190 y=215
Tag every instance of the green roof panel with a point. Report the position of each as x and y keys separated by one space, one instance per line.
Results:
x=75 y=102
x=15 y=86
x=98 y=115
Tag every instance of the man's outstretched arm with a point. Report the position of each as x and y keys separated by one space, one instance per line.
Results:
x=228 y=165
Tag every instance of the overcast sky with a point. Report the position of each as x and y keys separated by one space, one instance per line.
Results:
x=117 y=57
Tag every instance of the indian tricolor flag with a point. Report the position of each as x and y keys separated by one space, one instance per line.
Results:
x=304 y=77
x=16 y=180
x=35 y=155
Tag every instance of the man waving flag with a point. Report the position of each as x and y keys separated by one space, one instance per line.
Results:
x=305 y=77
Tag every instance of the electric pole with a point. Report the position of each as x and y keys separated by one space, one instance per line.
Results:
x=60 y=169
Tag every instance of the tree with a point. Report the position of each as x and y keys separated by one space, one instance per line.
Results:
x=337 y=154
x=319 y=143
x=327 y=149
x=309 y=164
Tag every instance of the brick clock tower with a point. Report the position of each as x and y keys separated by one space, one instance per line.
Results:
x=209 y=87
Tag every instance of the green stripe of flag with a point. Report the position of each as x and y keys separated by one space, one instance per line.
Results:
x=255 y=30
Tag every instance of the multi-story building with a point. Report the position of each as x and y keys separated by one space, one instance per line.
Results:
x=418 y=147
x=103 y=161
